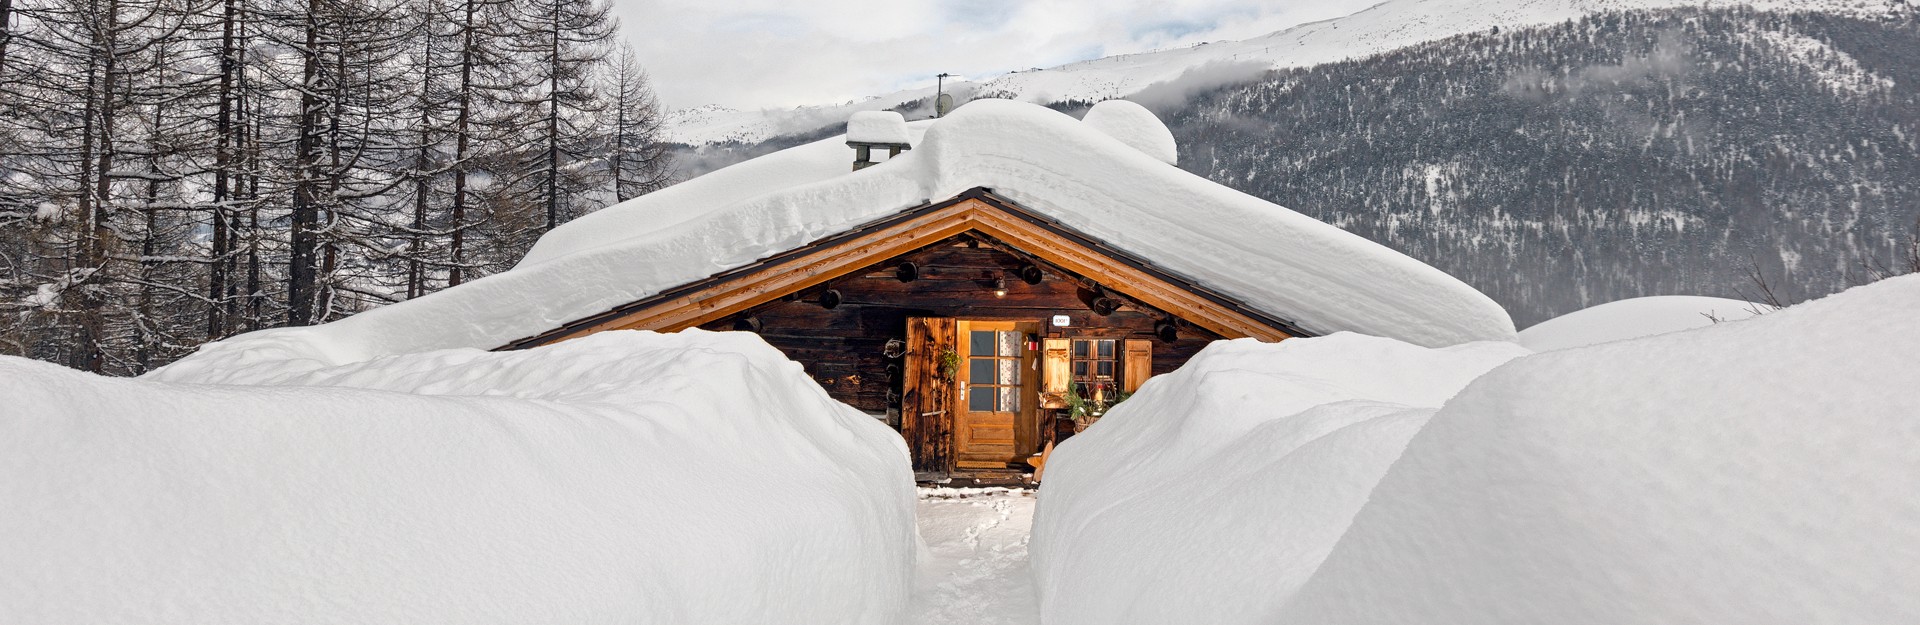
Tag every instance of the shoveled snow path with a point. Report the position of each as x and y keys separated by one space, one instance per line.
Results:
x=975 y=571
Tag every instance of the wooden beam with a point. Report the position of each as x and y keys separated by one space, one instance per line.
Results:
x=721 y=300
x=1119 y=276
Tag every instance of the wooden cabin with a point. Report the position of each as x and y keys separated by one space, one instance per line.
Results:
x=972 y=322
x=964 y=323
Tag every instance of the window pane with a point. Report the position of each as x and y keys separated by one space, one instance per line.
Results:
x=980 y=343
x=1106 y=369
x=1009 y=371
x=980 y=399
x=1080 y=369
x=1010 y=343
x=1106 y=349
x=1079 y=349
x=980 y=371
x=1010 y=400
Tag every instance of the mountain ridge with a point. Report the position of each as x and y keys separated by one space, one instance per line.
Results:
x=1378 y=29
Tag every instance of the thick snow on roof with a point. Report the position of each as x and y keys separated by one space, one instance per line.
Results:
x=1135 y=126
x=1289 y=265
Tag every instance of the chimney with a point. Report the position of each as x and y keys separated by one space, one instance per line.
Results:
x=868 y=130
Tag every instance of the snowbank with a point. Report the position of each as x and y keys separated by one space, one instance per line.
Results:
x=1135 y=126
x=1632 y=319
x=1290 y=265
x=622 y=477
x=1756 y=472
x=1212 y=494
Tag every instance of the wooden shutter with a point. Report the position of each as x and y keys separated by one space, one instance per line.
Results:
x=1056 y=372
x=1139 y=364
x=927 y=395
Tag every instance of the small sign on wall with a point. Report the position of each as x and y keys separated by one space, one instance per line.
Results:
x=1061 y=321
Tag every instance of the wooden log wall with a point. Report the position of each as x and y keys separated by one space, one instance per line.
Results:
x=844 y=347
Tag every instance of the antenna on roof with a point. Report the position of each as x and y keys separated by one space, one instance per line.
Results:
x=942 y=103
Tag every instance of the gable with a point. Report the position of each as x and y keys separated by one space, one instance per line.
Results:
x=976 y=211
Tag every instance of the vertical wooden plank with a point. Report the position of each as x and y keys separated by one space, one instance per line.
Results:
x=962 y=421
x=1139 y=364
x=1056 y=372
x=1026 y=425
x=927 y=397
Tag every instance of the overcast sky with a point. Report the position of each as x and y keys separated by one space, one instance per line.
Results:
x=781 y=53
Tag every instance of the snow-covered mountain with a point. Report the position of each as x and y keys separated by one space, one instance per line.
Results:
x=1387 y=26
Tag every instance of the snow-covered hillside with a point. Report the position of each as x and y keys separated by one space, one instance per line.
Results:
x=1386 y=26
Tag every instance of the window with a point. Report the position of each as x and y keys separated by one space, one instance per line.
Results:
x=993 y=370
x=1096 y=365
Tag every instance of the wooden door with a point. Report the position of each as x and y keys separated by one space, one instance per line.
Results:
x=994 y=423
x=927 y=395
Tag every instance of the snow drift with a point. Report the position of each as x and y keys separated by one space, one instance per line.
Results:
x=1634 y=318
x=623 y=477
x=1135 y=126
x=1755 y=472
x=1752 y=472
x=1273 y=259
x=1212 y=494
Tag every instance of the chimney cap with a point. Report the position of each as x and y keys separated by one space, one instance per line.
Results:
x=877 y=128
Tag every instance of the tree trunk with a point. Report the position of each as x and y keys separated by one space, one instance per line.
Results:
x=553 y=118
x=461 y=140
x=222 y=182
x=301 y=279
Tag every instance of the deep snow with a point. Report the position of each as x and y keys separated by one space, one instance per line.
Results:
x=1751 y=472
x=624 y=477
x=1755 y=472
x=1215 y=492
x=1635 y=318
x=1135 y=126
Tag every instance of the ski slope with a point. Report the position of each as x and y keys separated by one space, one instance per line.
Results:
x=1384 y=27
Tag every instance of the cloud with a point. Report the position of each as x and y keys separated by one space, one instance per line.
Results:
x=1671 y=59
x=1671 y=62
x=1164 y=98
x=779 y=53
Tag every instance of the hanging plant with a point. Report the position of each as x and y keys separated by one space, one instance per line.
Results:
x=949 y=364
x=1085 y=410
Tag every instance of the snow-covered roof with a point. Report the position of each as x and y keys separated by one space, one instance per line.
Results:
x=1291 y=266
x=1135 y=126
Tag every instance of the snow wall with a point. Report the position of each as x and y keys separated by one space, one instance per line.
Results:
x=623 y=477
x=1213 y=493
x=1753 y=472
